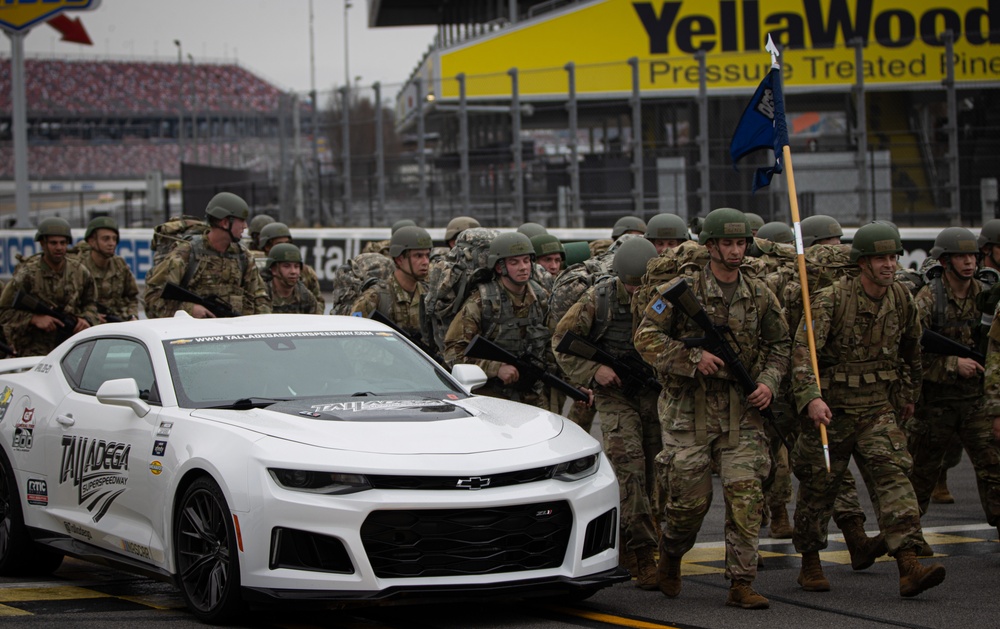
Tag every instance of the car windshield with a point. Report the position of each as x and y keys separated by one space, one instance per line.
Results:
x=248 y=370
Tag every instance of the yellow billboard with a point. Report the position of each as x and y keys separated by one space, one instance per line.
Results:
x=902 y=45
x=18 y=15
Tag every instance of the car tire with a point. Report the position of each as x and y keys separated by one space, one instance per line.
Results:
x=18 y=554
x=206 y=554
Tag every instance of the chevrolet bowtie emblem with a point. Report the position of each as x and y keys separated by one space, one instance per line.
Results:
x=476 y=482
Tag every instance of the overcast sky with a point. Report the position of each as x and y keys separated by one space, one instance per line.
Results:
x=268 y=37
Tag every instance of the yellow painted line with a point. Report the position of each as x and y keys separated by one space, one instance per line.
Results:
x=611 y=620
x=939 y=538
x=164 y=602
x=12 y=611
x=65 y=593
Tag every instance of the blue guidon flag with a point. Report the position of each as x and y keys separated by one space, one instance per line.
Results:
x=762 y=126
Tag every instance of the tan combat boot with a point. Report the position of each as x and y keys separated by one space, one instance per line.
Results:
x=645 y=574
x=811 y=575
x=781 y=528
x=742 y=594
x=864 y=550
x=668 y=574
x=941 y=495
x=914 y=578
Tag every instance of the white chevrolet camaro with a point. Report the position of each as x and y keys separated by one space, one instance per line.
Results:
x=293 y=457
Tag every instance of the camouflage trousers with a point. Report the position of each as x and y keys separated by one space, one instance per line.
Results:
x=878 y=446
x=631 y=434
x=931 y=432
x=686 y=468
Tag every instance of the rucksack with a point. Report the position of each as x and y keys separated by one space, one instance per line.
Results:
x=664 y=268
x=357 y=275
x=450 y=281
x=177 y=229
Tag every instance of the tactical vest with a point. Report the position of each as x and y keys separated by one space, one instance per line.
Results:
x=612 y=328
x=517 y=335
x=387 y=305
x=862 y=383
x=199 y=250
x=302 y=298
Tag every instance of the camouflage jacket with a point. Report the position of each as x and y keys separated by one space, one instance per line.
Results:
x=868 y=351
x=301 y=301
x=116 y=287
x=395 y=302
x=991 y=393
x=71 y=290
x=961 y=320
x=308 y=278
x=580 y=319
x=220 y=274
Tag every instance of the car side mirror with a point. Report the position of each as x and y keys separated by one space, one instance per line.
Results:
x=469 y=376
x=123 y=392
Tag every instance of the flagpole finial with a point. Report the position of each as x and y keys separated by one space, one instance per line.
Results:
x=772 y=48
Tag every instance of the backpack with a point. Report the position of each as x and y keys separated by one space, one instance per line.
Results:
x=451 y=280
x=664 y=268
x=177 y=229
x=357 y=275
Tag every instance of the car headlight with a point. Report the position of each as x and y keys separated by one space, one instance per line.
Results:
x=331 y=483
x=577 y=468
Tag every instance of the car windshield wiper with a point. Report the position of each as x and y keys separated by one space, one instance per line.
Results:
x=247 y=403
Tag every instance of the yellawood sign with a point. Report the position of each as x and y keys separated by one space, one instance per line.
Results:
x=17 y=15
x=902 y=41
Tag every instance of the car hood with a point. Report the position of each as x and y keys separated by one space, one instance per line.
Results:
x=399 y=426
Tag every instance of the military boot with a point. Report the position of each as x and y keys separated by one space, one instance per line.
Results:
x=941 y=495
x=781 y=528
x=668 y=574
x=864 y=550
x=811 y=575
x=914 y=578
x=742 y=594
x=645 y=574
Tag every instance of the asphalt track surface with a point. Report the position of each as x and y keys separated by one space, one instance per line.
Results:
x=81 y=594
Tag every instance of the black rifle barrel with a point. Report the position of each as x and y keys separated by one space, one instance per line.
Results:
x=528 y=371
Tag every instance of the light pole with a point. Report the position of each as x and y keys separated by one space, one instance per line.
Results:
x=192 y=79
x=347 y=64
x=180 y=100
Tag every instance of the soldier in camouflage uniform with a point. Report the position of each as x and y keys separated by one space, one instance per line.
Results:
x=704 y=416
x=867 y=333
x=550 y=259
x=63 y=283
x=116 y=288
x=666 y=231
x=400 y=299
x=953 y=385
x=629 y=423
x=287 y=292
x=382 y=246
x=213 y=264
x=275 y=233
x=509 y=310
x=256 y=224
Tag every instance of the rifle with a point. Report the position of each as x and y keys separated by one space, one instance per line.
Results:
x=529 y=370
x=29 y=303
x=936 y=343
x=680 y=296
x=634 y=373
x=108 y=317
x=414 y=338
x=214 y=305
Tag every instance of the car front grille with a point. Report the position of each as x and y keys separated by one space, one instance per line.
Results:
x=385 y=481
x=459 y=542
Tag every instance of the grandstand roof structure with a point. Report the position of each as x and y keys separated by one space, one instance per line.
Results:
x=82 y=88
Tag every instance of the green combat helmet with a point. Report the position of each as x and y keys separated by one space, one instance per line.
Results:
x=258 y=222
x=101 y=222
x=756 y=220
x=458 y=225
x=409 y=237
x=531 y=229
x=954 y=240
x=667 y=227
x=628 y=224
x=400 y=224
x=272 y=231
x=546 y=244
x=875 y=239
x=576 y=252
x=630 y=260
x=819 y=227
x=507 y=245
x=724 y=222
x=776 y=231
x=226 y=204
x=990 y=233
x=54 y=226
x=284 y=252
